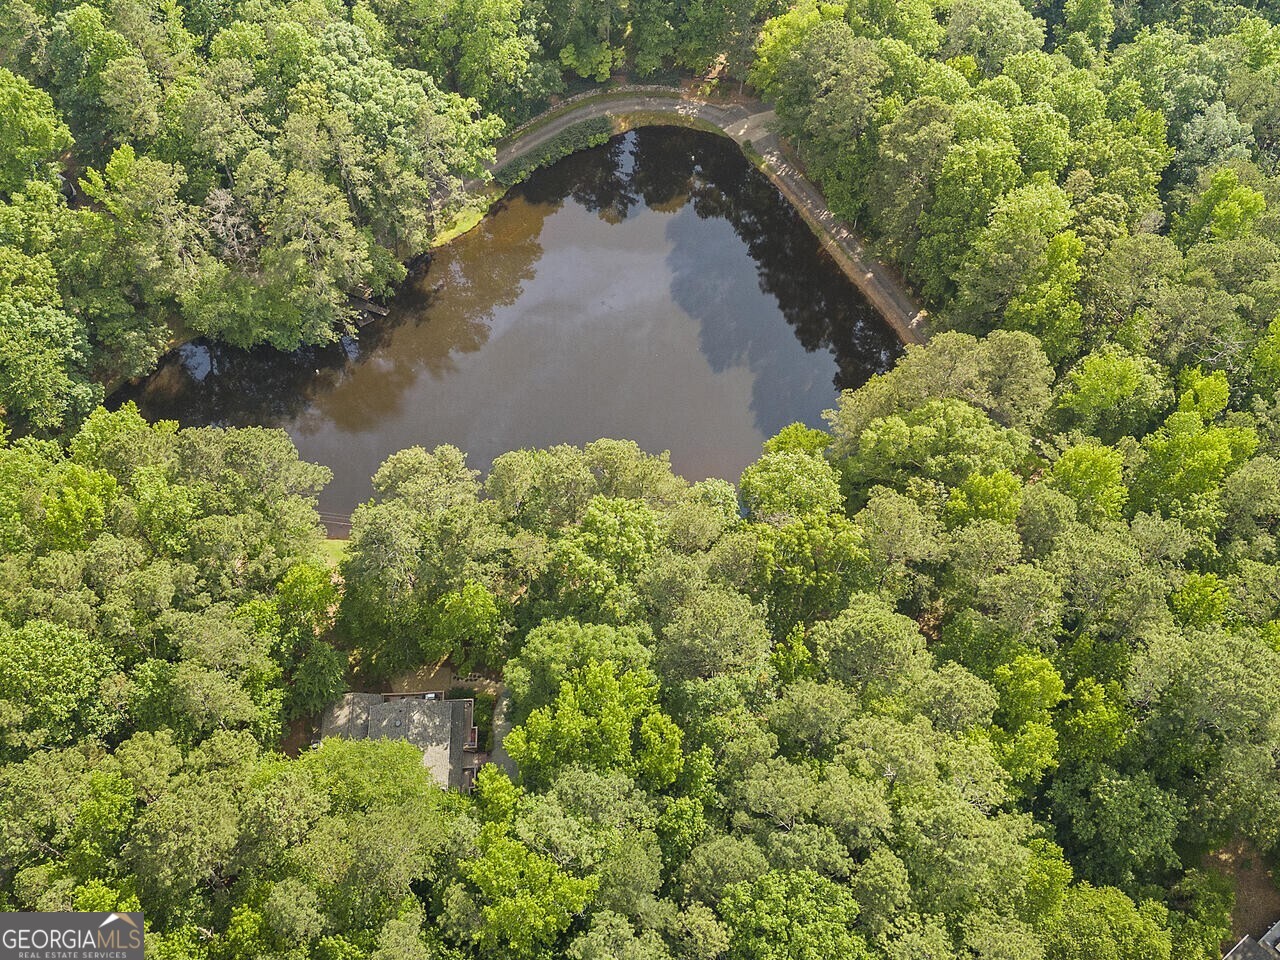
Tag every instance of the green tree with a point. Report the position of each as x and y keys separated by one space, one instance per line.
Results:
x=991 y=31
x=1103 y=923
x=870 y=649
x=556 y=648
x=1226 y=209
x=525 y=902
x=1185 y=465
x=714 y=632
x=44 y=364
x=35 y=136
x=783 y=485
x=1093 y=20
x=1092 y=476
x=54 y=691
x=944 y=440
x=1025 y=265
x=421 y=541
x=602 y=718
x=791 y=916
x=1111 y=393
x=810 y=566
x=981 y=496
x=972 y=178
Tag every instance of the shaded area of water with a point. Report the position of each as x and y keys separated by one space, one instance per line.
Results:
x=656 y=288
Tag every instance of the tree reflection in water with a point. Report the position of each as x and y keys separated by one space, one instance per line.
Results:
x=630 y=290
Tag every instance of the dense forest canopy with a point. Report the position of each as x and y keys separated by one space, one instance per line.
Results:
x=985 y=670
x=977 y=673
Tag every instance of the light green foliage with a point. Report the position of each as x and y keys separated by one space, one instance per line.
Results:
x=414 y=554
x=1092 y=476
x=1092 y=19
x=1043 y=136
x=135 y=595
x=1029 y=688
x=791 y=916
x=1206 y=899
x=469 y=627
x=972 y=179
x=554 y=649
x=1185 y=465
x=1112 y=393
x=944 y=440
x=777 y=40
x=991 y=31
x=1202 y=600
x=592 y=570
x=612 y=935
x=1266 y=360
x=995 y=496
x=1225 y=210
x=524 y=900
x=1027 y=744
x=786 y=484
x=301 y=615
x=44 y=358
x=53 y=687
x=914 y=22
x=797 y=438
x=1047 y=306
x=1093 y=725
x=603 y=719
x=811 y=565
x=843 y=724
x=1025 y=265
x=1103 y=923
x=480 y=48
x=1004 y=374
x=34 y=135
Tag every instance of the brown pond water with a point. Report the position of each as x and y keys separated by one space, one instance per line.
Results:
x=656 y=288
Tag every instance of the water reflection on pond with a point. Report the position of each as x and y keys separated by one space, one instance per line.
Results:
x=656 y=288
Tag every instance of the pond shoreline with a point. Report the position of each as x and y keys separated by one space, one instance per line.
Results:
x=749 y=124
x=657 y=287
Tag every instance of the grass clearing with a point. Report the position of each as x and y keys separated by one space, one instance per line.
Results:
x=334 y=552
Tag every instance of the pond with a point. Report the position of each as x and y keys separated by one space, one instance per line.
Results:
x=657 y=288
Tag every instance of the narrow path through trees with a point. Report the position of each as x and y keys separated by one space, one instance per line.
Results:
x=750 y=125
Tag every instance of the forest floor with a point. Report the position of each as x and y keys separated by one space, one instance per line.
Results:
x=1257 y=894
x=749 y=123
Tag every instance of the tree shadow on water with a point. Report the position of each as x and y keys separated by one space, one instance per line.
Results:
x=716 y=205
x=598 y=179
x=440 y=312
x=824 y=312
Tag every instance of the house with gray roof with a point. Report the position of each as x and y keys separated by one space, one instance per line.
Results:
x=442 y=729
x=1267 y=948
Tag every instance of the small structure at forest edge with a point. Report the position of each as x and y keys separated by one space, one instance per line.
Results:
x=1268 y=948
x=442 y=729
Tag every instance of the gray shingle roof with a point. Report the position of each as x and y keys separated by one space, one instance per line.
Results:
x=439 y=728
x=1250 y=949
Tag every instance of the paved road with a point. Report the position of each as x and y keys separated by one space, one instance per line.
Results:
x=745 y=122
